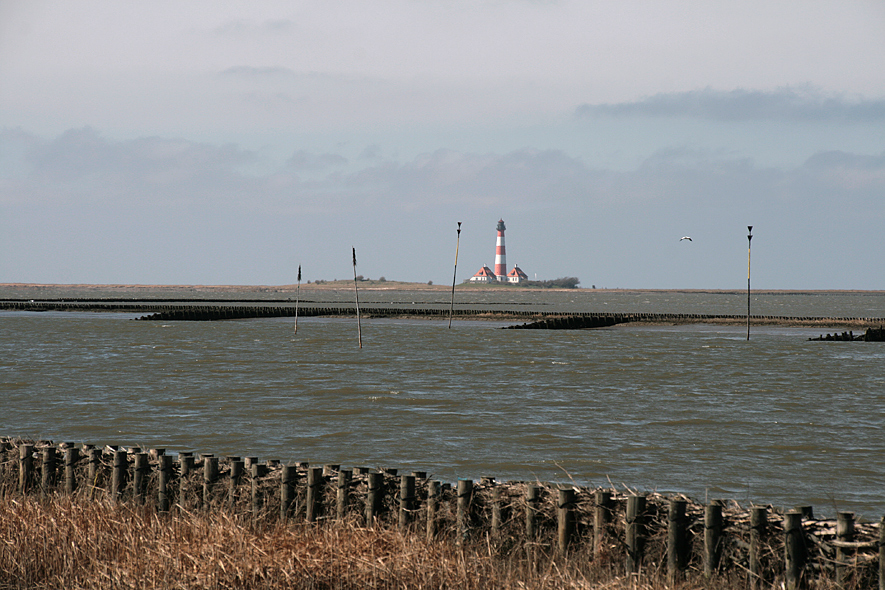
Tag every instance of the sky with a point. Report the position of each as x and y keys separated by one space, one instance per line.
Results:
x=219 y=142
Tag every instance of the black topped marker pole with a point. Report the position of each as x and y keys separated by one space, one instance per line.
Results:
x=356 y=294
x=749 y=242
x=455 y=276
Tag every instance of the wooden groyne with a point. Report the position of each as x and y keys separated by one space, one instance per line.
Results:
x=626 y=530
x=531 y=319
x=870 y=335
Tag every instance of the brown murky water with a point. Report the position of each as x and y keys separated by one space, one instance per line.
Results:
x=695 y=409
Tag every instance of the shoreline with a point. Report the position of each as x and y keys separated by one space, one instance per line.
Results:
x=373 y=285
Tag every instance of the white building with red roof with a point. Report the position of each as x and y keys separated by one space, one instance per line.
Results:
x=483 y=275
x=516 y=275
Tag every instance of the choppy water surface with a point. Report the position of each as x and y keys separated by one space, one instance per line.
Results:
x=695 y=409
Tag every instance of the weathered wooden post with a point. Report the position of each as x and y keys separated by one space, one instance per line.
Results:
x=210 y=475
x=532 y=499
x=845 y=534
x=25 y=468
x=374 y=497
x=342 y=498
x=565 y=517
x=496 y=511
x=635 y=533
x=464 y=507
x=140 y=469
x=433 y=493
x=47 y=480
x=882 y=554
x=4 y=445
x=234 y=477
x=602 y=517
x=118 y=476
x=287 y=490
x=758 y=532
x=677 y=543
x=406 y=500
x=255 y=476
x=314 y=492
x=794 y=549
x=165 y=472
x=92 y=469
x=186 y=465
x=712 y=537
x=72 y=457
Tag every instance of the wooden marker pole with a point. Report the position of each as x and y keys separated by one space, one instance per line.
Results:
x=359 y=329
x=455 y=276
x=297 y=296
x=749 y=241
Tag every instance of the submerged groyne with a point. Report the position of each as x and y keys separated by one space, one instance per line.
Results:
x=196 y=310
x=627 y=530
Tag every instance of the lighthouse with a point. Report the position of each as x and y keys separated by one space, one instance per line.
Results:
x=500 y=254
x=500 y=274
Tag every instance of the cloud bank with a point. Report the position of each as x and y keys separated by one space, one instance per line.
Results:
x=83 y=208
x=784 y=104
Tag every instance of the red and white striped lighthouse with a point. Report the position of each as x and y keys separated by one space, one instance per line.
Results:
x=500 y=254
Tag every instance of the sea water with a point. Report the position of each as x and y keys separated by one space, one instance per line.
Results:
x=696 y=409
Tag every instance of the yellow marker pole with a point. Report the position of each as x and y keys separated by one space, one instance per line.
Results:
x=749 y=242
x=454 y=277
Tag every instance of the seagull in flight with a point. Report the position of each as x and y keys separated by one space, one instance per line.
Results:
x=685 y=238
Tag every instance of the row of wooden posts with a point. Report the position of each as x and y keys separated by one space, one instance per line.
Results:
x=132 y=469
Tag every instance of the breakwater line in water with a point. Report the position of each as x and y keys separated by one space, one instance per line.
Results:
x=626 y=529
x=197 y=311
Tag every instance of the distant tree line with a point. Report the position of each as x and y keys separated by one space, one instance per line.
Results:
x=560 y=283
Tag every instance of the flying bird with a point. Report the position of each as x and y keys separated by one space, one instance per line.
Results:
x=685 y=238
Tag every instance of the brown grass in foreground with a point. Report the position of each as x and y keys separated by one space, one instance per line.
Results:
x=72 y=544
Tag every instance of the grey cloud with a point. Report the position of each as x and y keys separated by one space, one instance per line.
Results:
x=519 y=178
x=158 y=197
x=372 y=152
x=789 y=104
x=838 y=159
x=257 y=72
x=88 y=163
x=241 y=27
x=304 y=160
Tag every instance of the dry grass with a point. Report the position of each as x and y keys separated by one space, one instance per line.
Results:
x=73 y=543
x=66 y=543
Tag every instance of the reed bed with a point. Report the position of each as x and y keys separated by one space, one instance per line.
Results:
x=235 y=532
x=68 y=543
